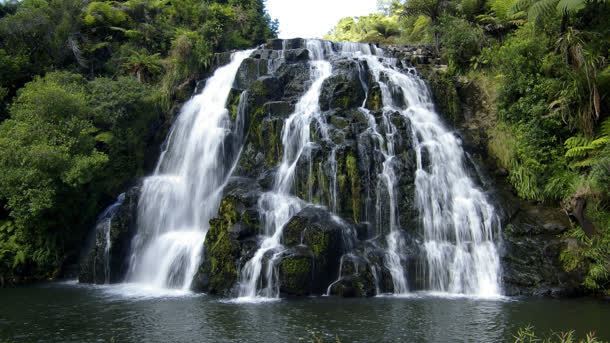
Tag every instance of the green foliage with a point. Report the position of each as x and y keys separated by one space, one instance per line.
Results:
x=375 y=28
x=590 y=255
x=528 y=335
x=81 y=88
x=48 y=153
x=584 y=152
x=539 y=9
x=461 y=41
x=102 y=13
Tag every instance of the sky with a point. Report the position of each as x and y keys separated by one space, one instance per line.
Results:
x=314 y=18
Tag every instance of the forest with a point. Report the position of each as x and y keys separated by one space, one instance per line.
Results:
x=88 y=90
x=543 y=65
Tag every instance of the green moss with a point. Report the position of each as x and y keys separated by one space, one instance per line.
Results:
x=296 y=274
x=296 y=266
x=318 y=242
x=234 y=105
x=343 y=101
x=374 y=101
x=445 y=95
x=352 y=172
x=221 y=250
x=273 y=146
x=323 y=196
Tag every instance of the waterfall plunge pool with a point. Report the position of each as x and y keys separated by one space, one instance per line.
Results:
x=69 y=312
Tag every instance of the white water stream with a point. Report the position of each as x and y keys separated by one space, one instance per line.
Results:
x=460 y=226
x=178 y=200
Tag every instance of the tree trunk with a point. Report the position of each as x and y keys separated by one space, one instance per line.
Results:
x=577 y=211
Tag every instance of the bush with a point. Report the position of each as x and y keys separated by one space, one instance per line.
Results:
x=460 y=41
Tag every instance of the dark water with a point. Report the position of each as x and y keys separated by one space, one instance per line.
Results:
x=71 y=313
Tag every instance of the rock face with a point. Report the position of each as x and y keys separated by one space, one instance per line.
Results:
x=105 y=264
x=338 y=246
x=532 y=246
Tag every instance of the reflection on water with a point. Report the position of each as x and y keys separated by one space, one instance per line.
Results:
x=74 y=313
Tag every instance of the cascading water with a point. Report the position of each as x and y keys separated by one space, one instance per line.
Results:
x=184 y=192
x=459 y=224
x=278 y=206
x=103 y=228
x=459 y=228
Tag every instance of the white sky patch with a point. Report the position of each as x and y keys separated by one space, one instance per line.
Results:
x=314 y=18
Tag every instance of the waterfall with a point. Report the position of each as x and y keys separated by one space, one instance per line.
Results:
x=454 y=240
x=178 y=200
x=103 y=227
x=460 y=226
x=278 y=205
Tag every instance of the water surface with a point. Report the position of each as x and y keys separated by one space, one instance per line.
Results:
x=67 y=312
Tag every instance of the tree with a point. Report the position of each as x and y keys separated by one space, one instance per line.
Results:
x=432 y=9
x=49 y=159
x=537 y=9
x=143 y=65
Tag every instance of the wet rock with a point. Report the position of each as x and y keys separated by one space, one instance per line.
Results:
x=279 y=109
x=279 y=44
x=342 y=90
x=531 y=258
x=294 y=80
x=296 y=55
x=229 y=238
x=122 y=230
x=321 y=240
x=249 y=71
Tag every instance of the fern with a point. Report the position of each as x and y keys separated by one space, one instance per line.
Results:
x=583 y=152
x=562 y=184
x=538 y=9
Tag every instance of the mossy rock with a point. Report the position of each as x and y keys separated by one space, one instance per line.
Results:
x=295 y=273
x=324 y=237
x=357 y=286
x=374 y=100
x=223 y=247
x=342 y=90
x=443 y=87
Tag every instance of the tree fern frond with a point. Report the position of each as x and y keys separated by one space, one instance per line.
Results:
x=576 y=141
x=541 y=8
x=521 y=5
x=567 y=6
x=579 y=151
x=605 y=127
x=586 y=163
x=599 y=142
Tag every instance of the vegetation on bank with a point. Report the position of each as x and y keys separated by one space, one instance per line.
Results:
x=544 y=65
x=524 y=335
x=86 y=93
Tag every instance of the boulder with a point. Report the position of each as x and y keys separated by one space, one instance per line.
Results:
x=316 y=241
x=342 y=90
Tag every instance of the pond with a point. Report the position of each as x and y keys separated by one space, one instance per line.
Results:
x=69 y=312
